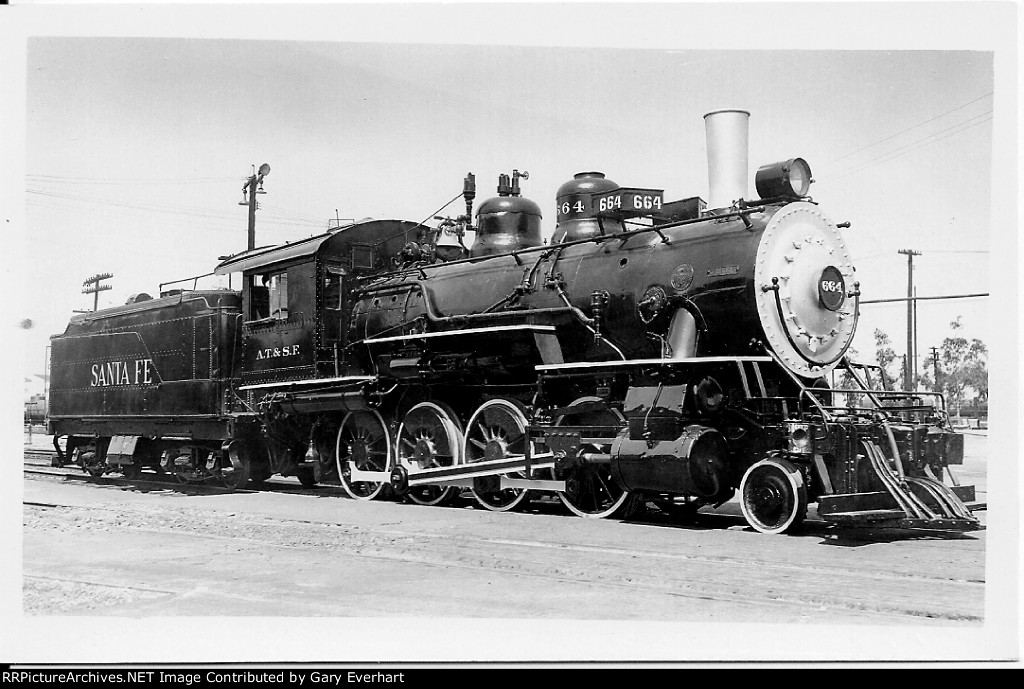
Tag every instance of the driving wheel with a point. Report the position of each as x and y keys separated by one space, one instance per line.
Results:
x=364 y=443
x=497 y=430
x=430 y=437
x=590 y=490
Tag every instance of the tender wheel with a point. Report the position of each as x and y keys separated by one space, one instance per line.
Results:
x=591 y=491
x=235 y=472
x=430 y=436
x=363 y=440
x=773 y=496
x=497 y=430
x=91 y=461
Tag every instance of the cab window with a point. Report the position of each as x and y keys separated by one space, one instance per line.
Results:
x=278 y=285
x=269 y=297
x=333 y=295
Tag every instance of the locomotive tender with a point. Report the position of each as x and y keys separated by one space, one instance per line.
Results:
x=654 y=352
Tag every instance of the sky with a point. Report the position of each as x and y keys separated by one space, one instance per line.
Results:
x=137 y=150
x=128 y=134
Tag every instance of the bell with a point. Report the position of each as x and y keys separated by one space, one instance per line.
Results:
x=260 y=189
x=447 y=246
x=244 y=201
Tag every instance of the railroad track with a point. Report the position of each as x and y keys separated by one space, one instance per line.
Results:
x=38 y=463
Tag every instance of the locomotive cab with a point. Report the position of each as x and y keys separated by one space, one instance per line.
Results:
x=296 y=298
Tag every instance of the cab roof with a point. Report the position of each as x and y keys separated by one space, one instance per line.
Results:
x=365 y=232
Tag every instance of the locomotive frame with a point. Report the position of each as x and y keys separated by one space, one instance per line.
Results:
x=656 y=353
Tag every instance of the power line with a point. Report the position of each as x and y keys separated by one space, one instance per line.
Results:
x=184 y=210
x=921 y=143
x=212 y=220
x=862 y=259
x=55 y=179
x=921 y=124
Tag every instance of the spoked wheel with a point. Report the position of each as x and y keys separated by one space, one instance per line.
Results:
x=590 y=491
x=773 y=496
x=363 y=441
x=497 y=430
x=430 y=436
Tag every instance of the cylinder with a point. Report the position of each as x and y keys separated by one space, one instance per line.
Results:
x=726 y=132
x=693 y=464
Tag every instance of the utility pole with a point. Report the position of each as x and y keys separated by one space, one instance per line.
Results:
x=253 y=186
x=935 y=365
x=93 y=287
x=914 y=302
x=909 y=367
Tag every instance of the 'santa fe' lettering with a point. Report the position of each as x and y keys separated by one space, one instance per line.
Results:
x=271 y=352
x=137 y=372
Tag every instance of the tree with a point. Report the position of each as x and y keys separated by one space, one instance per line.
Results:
x=885 y=357
x=964 y=367
x=848 y=382
x=924 y=381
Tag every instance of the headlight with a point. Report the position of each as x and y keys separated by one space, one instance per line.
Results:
x=790 y=178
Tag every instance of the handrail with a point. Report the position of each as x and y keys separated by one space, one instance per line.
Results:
x=195 y=280
x=731 y=213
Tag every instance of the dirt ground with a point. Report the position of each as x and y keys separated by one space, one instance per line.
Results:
x=106 y=552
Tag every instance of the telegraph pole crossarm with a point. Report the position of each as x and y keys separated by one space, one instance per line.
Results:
x=93 y=287
x=253 y=186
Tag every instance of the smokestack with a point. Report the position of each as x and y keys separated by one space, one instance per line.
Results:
x=726 y=132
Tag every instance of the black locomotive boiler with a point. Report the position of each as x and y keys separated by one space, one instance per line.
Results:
x=654 y=352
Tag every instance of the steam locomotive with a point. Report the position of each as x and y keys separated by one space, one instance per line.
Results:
x=653 y=352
